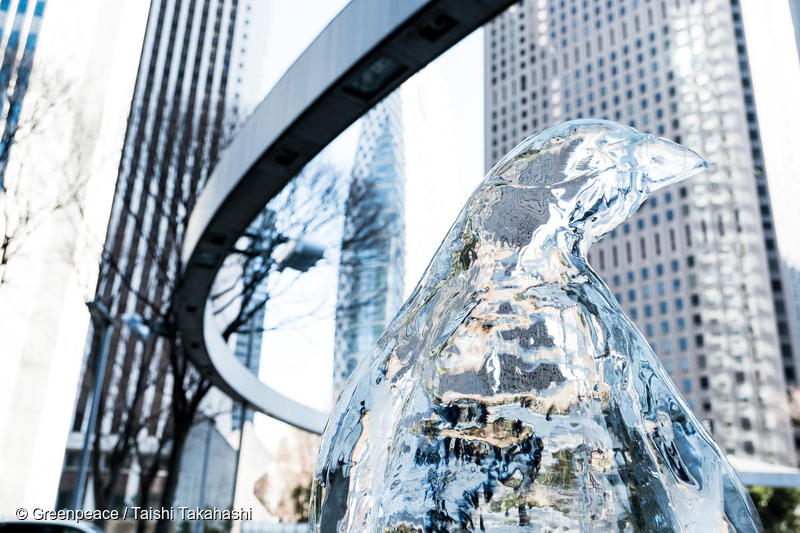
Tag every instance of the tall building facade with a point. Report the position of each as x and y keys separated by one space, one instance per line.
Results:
x=71 y=129
x=184 y=105
x=697 y=266
x=20 y=23
x=795 y=10
x=371 y=265
x=247 y=344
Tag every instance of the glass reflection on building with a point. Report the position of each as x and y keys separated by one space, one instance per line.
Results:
x=372 y=252
x=19 y=31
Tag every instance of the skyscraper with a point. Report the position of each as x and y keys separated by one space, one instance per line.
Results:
x=372 y=252
x=795 y=9
x=696 y=267
x=247 y=345
x=71 y=127
x=183 y=107
x=19 y=31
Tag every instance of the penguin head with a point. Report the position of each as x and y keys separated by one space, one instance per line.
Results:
x=591 y=175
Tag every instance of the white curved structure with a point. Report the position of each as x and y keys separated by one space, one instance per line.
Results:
x=366 y=51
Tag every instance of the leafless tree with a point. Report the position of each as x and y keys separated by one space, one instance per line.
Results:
x=153 y=433
x=28 y=200
x=250 y=274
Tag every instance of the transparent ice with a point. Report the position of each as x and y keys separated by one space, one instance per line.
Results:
x=511 y=392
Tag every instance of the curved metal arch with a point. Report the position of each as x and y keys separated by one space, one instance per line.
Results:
x=366 y=51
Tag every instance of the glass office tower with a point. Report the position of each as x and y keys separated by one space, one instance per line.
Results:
x=372 y=252
x=19 y=31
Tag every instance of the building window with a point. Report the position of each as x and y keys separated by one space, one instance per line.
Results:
x=687 y=385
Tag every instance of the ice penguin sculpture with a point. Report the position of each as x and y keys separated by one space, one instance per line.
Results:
x=511 y=393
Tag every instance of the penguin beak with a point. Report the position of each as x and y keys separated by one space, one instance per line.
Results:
x=664 y=162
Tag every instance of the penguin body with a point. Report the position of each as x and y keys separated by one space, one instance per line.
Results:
x=511 y=393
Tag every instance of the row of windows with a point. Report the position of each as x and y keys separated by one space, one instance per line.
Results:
x=683 y=345
x=661 y=290
x=647 y=309
x=644 y=273
x=665 y=327
x=704 y=384
x=669 y=366
x=642 y=248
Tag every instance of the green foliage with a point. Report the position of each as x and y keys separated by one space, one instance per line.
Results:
x=778 y=507
x=301 y=497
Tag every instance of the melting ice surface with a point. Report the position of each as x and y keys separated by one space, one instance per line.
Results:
x=511 y=392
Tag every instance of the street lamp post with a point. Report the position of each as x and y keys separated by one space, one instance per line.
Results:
x=102 y=320
x=300 y=255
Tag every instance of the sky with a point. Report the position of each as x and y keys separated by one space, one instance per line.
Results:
x=443 y=137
